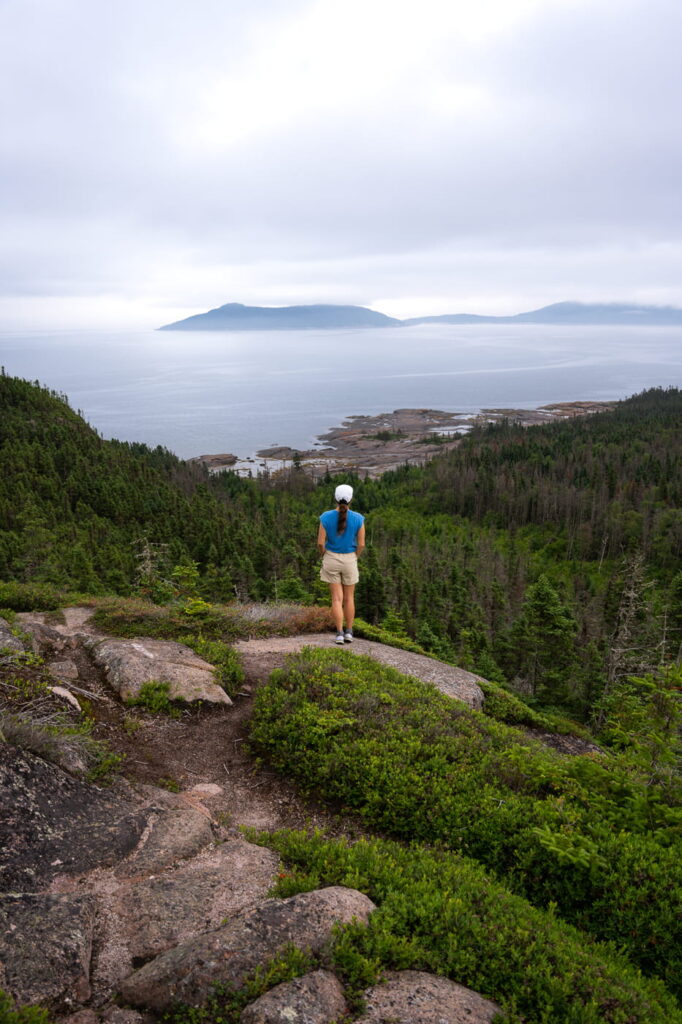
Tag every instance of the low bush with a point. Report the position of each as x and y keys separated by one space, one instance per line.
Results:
x=154 y=697
x=586 y=833
x=441 y=913
x=29 y=597
x=9 y=1014
x=227 y=664
x=499 y=703
x=225 y=1004
x=131 y=617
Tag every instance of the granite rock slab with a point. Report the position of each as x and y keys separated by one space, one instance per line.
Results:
x=129 y=664
x=415 y=997
x=229 y=954
x=45 y=948
x=316 y=998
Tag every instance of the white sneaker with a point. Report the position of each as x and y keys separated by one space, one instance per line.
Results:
x=339 y=638
x=348 y=636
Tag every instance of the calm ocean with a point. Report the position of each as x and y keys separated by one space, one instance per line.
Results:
x=198 y=393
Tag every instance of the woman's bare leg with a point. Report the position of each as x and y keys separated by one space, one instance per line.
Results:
x=349 y=604
x=337 y=592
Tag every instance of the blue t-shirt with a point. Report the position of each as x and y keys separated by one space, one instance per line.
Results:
x=341 y=544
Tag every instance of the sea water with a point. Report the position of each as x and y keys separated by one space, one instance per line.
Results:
x=206 y=392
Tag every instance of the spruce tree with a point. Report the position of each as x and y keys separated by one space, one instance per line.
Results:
x=542 y=645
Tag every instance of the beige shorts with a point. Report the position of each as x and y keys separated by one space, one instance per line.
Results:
x=340 y=568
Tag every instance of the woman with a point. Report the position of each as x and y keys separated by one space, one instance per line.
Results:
x=340 y=540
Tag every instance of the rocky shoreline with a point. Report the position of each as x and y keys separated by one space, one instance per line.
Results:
x=371 y=445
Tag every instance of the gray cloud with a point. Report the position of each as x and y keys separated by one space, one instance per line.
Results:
x=288 y=152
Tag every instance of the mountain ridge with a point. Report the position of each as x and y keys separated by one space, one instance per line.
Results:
x=239 y=317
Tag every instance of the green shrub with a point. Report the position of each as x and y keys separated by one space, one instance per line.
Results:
x=586 y=833
x=499 y=703
x=226 y=1004
x=154 y=696
x=196 y=607
x=41 y=597
x=385 y=636
x=22 y=1014
x=28 y=597
x=106 y=765
x=441 y=913
x=227 y=663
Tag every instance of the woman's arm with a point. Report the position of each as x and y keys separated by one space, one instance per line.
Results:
x=321 y=539
x=360 y=540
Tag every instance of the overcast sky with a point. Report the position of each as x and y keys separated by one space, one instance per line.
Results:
x=432 y=156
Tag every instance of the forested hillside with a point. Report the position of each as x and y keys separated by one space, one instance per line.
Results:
x=545 y=557
x=529 y=852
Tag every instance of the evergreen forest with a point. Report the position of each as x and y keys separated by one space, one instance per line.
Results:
x=548 y=559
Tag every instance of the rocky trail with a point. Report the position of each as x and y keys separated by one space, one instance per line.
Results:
x=208 y=747
x=117 y=901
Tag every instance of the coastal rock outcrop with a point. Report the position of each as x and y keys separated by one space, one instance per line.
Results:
x=129 y=664
x=414 y=997
x=228 y=954
x=452 y=681
x=173 y=834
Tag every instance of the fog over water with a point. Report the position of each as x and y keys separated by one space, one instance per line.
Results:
x=206 y=392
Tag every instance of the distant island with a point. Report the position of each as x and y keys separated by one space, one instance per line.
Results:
x=569 y=313
x=236 y=317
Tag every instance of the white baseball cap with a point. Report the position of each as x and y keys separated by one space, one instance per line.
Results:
x=344 y=492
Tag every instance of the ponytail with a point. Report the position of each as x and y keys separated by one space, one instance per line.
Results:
x=343 y=515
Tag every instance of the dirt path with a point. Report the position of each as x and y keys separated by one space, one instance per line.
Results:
x=203 y=746
x=209 y=745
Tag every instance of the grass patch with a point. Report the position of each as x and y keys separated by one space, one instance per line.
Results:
x=58 y=740
x=154 y=697
x=588 y=834
x=132 y=617
x=227 y=664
